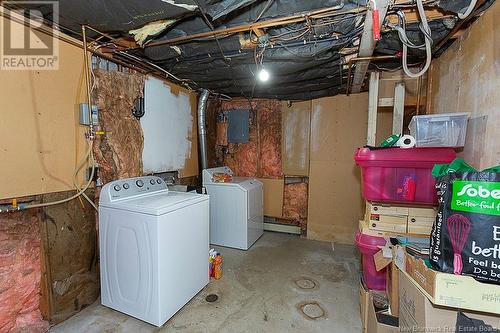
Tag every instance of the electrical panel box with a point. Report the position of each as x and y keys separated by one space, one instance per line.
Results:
x=239 y=126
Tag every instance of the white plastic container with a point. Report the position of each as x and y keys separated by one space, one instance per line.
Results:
x=439 y=130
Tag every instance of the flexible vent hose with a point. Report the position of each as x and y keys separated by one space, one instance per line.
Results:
x=202 y=132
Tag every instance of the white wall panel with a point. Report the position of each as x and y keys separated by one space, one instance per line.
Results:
x=166 y=124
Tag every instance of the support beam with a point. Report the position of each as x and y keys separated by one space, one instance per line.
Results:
x=412 y=15
x=399 y=108
x=372 y=108
x=367 y=45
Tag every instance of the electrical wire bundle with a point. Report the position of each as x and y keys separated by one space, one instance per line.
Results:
x=426 y=31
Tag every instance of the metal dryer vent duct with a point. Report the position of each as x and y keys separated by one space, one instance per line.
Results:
x=202 y=132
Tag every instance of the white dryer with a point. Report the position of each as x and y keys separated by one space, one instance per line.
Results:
x=236 y=209
x=153 y=247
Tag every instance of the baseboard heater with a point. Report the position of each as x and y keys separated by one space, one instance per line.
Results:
x=270 y=224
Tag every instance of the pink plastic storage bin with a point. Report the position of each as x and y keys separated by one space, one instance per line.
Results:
x=368 y=246
x=400 y=175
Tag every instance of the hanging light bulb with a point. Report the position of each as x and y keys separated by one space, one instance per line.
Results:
x=263 y=75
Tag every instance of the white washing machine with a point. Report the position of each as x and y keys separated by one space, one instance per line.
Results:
x=153 y=247
x=236 y=209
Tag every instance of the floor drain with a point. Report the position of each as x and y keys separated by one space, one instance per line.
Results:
x=211 y=298
x=311 y=310
x=305 y=283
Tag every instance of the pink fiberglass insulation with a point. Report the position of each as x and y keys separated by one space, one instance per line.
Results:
x=119 y=151
x=248 y=159
x=20 y=273
x=270 y=139
x=295 y=198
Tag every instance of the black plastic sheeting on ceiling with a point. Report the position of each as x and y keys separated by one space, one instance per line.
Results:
x=302 y=66
x=299 y=71
x=459 y=6
x=390 y=43
x=122 y=16
x=112 y=15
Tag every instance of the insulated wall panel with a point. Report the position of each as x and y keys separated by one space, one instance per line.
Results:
x=118 y=151
x=261 y=155
x=20 y=273
x=295 y=204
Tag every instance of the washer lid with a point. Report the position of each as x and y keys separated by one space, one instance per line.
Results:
x=157 y=203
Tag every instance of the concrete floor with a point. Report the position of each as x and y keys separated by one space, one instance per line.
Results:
x=282 y=284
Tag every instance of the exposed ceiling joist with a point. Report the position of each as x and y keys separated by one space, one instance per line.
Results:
x=258 y=32
x=367 y=45
x=412 y=16
x=295 y=18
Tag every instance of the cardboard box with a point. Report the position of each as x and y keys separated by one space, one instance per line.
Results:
x=392 y=288
x=423 y=212
x=364 y=228
x=364 y=298
x=418 y=314
x=376 y=208
x=381 y=261
x=391 y=223
x=374 y=324
x=400 y=219
x=420 y=224
x=450 y=290
x=392 y=279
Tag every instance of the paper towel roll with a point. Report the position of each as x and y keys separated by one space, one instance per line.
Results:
x=406 y=141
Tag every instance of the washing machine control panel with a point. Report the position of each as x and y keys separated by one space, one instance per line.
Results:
x=124 y=188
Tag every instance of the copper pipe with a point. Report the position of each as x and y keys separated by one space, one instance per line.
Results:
x=373 y=58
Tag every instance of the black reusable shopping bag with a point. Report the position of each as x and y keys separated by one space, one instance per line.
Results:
x=465 y=238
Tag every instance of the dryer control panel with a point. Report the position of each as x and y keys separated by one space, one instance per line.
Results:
x=129 y=187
